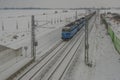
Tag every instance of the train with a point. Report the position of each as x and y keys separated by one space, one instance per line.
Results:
x=69 y=30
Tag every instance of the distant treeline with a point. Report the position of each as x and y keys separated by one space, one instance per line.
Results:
x=24 y=8
x=31 y=8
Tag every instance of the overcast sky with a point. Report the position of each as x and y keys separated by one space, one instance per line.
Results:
x=59 y=3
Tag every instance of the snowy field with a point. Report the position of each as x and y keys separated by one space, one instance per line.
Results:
x=15 y=33
x=15 y=36
x=16 y=24
x=111 y=10
x=104 y=57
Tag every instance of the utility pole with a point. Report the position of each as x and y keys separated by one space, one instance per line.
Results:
x=76 y=15
x=33 y=47
x=16 y=25
x=87 y=62
x=86 y=41
x=2 y=26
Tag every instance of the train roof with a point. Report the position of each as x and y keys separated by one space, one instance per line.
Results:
x=80 y=19
x=70 y=24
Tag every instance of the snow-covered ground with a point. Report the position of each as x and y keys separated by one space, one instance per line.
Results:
x=111 y=10
x=16 y=34
x=16 y=25
x=105 y=59
x=115 y=26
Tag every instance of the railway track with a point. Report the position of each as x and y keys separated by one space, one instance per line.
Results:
x=53 y=63
x=70 y=67
x=62 y=65
x=31 y=66
x=48 y=60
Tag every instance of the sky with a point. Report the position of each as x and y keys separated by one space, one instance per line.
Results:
x=59 y=3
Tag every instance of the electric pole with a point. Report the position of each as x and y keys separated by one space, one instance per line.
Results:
x=87 y=62
x=76 y=15
x=33 y=47
x=86 y=41
x=2 y=26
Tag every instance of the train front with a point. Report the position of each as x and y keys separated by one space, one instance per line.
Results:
x=66 y=35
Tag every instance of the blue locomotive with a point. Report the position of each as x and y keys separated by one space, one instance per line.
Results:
x=71 y=29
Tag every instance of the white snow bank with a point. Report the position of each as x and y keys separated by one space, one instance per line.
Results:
x=13 y=69
x=106 y=64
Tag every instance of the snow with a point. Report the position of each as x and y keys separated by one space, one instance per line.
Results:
x=115 y=26
x=10 y=63
x=111 y=10
x=13 y=69
x=105 y=59
x=103 y=55
x=18 y=23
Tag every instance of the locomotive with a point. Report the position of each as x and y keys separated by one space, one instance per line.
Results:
x=69 y=30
